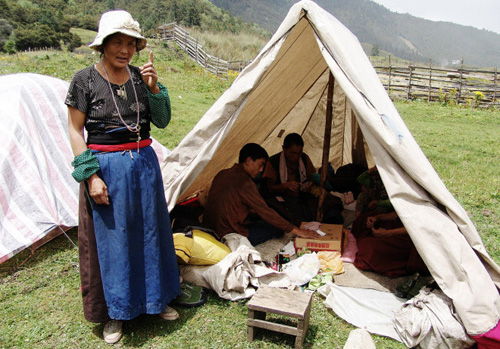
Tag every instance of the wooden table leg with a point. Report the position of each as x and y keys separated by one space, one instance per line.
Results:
x=253 y=314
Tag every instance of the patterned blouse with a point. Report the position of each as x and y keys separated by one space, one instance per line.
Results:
x=89 y=92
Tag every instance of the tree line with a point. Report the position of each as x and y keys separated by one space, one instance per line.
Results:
x=34 y=24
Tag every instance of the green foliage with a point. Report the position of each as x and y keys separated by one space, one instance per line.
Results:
x=5 y=31
x=61 y=15
x=40 y=36
x=71 y=40
x=447 y=97
x=4 y=9
x=478 y=97
x=10 y=47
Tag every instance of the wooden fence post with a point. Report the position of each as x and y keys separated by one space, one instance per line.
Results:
x=460 y=82
x=495 y=87
x=196 y=53
x=390 y=71
x=410 y=67
x=430 y=82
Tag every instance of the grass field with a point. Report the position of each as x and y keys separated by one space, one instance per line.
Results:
x=40 y=301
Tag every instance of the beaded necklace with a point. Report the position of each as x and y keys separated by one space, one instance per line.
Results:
x=134 y=128
x=121 y=92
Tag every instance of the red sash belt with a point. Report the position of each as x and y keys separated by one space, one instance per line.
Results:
x=120 y=147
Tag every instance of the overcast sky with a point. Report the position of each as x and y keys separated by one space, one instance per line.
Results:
x=482 y=14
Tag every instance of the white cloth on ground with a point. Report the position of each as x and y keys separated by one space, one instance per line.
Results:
x=364 y=308
x=428 y=320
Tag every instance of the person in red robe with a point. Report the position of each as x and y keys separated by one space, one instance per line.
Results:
x=386 y=248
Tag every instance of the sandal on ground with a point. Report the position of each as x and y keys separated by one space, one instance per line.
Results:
x=112 y=332
x=169 y=314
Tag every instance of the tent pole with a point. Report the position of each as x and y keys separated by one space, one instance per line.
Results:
x=326 y=146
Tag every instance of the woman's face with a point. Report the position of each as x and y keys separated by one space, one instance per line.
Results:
x=118 y=50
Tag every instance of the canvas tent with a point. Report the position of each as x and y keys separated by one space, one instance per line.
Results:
x=285 y=90
x=38 y=195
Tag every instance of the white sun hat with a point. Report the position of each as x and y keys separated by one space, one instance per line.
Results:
x=118 y=21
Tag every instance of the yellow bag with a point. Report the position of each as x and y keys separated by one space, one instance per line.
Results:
x=206 y=249
x=183 y=245
x=199 y=248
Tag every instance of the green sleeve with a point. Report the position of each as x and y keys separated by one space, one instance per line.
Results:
x=85 y=165
x=159 y=104
x=364 y=179
x=385 y=205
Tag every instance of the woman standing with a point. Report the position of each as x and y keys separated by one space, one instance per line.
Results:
x=127 y=259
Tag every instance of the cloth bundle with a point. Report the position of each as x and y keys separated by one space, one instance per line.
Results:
x=428 y=320
x=239 y=274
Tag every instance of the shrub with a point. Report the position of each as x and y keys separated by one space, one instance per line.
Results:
x=39 y=37
x=71 y=40
x=478 y=97
x=5 y=31
x=10 y=47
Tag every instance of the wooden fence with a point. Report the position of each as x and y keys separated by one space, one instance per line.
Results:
x=215 y=65
x=473 y=87
x=476 y=88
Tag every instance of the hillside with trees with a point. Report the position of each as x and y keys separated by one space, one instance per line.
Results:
x=30 y=24
x=402 y=35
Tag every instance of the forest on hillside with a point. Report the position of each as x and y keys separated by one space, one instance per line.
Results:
x=46 y=23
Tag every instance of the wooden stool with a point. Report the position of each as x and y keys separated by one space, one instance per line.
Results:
x=283 y=302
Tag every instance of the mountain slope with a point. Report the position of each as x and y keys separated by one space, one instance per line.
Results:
x=402 y=35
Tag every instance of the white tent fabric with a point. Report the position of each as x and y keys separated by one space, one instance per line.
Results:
x=37 y=192
x=284 y=90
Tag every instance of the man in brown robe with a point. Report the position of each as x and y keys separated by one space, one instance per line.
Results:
x=287 y=182
x=234 y=198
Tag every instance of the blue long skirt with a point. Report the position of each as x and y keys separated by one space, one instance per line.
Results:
x=134 y=238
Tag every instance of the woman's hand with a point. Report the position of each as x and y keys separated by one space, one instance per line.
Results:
x=149 y=75
x=98 y=190
x=370 y=221
x=381 y=232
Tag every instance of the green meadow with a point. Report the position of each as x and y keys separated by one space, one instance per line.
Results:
x=40 y=300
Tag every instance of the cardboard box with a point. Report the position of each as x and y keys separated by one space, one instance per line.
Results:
x=332 y=241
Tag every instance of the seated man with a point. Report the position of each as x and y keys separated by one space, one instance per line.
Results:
x=233 y=197
x=288 y=181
